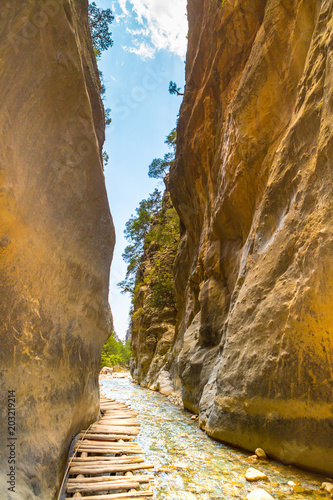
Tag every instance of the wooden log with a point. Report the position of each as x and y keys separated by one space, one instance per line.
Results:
x=128 y=422
x=111 y=409
x=112 y=429
x=88 y=460
x=121 y=411
x=99 y=429
x=120 y=496
x=89 y=488
x=125 y=412
x=115 y=445
x=112 y=451
x=114 y=406
x=103 y=444
x=99 y=479
x=126 y=461
x=118 y=409
x=129 y=431
x=101 y=469
x=108 y=437
x=118 y=416
x=109 y=444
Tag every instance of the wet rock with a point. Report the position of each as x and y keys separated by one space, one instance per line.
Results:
x=252 y=459
x=255 y=475
x=260 y=453
x=259 y=494
x=106 y=370
x=328 y=487
x=164 y=383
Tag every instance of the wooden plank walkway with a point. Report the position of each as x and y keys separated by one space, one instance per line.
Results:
x=107 y=460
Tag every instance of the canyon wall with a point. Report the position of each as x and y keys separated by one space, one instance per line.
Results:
x=252 y=183
x=56 y=237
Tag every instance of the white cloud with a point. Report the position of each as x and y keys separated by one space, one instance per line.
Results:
x=143 y=50
x=164 y=26
x=122 y=4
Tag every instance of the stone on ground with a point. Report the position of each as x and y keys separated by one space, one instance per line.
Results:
x=255 y=475
x=260 y=453
x=259 y=494
x=327 y=487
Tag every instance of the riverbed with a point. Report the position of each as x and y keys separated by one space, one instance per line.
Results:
x=190 y=466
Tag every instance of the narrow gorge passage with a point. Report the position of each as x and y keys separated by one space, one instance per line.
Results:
x=219 y=180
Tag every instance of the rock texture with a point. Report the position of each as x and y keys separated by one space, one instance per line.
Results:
x=56 y=236
x=252 y=183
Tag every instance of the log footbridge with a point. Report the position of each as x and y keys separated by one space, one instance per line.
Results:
x=107 y=463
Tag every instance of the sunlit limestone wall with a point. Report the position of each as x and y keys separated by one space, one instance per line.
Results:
x=56 y=236
x=252 y=183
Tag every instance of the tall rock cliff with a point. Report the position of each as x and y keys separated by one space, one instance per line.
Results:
x=154 y=311
x=252 y=183
x=56 y=237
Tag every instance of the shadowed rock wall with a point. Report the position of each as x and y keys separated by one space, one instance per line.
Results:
x=252 y=183
x=56 y=237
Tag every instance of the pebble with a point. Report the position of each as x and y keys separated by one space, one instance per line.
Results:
x=327 y=487
x=260 y=453
x=259 y=494
x=254 y=475
x=252 y=459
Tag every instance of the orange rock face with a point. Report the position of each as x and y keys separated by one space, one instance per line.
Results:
x=252 y=184
x=56 y=237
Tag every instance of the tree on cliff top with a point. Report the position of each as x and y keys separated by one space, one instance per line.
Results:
x=159 y=167
x=136 y=230
x=173 y=89
x=99 y=20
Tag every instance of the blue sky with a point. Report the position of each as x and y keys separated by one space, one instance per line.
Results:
x=149 y=51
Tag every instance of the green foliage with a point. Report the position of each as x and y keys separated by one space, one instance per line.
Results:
x=159 y=167
x=164 y=236
x=108 y=118
x=151 y=265
x=99 y=21
x=173 y=89
x=137 y=315
x=105 y=159
x=136 y=230
x=115 y=352
x=171 y=139
x=153 y=234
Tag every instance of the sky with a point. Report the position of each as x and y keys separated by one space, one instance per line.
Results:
x=149 y=50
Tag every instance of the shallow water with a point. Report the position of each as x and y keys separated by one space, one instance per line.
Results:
x=189 y=465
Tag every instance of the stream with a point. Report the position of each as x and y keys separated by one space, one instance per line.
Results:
x=189 y=465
